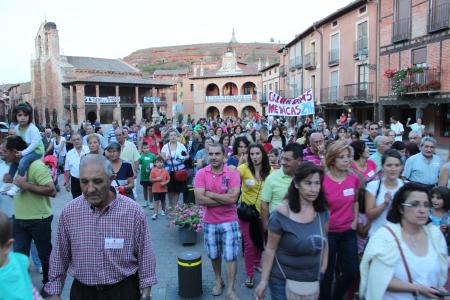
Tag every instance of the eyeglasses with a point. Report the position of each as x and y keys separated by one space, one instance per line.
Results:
x=416 y=205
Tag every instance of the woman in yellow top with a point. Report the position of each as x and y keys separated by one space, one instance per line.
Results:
x=253 y=173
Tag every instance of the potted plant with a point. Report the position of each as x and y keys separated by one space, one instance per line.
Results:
x=188 y=219
x=434 y=84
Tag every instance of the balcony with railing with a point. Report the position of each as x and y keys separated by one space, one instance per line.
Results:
x=423 y=81
x=361 y=48
x=233 y=98
x=310 y=61
x=331 y=95
x=359 y=92
x=333 y=57
x=283 y=72
x=401 y=30
x=292 y=64
x=439 y=17
x=298 y=62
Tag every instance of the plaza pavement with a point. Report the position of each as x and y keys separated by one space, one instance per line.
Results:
x=167 y=248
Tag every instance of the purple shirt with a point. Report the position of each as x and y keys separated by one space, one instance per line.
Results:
x=102 y=247
x=220 y=184
x=309 y=156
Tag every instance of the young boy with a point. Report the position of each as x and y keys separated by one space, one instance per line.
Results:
x=274 y=159
x=159 y=177
x=15 y=282
x=146 y=162
x=23 y=114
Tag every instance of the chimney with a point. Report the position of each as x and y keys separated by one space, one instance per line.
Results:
x=259 y=64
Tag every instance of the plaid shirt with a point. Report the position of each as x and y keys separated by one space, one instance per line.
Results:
x=81 y=240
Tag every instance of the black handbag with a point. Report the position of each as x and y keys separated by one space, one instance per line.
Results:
x=247 y=212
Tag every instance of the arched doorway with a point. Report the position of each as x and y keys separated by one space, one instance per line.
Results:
x=230 y=89
x=212 y=90
x=212 y=113
x=248 y=88
x=248 y=112
x=230 y=111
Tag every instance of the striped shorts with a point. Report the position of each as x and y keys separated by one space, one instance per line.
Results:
x=222 y=240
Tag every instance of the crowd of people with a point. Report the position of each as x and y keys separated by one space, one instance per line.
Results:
x=321 y=212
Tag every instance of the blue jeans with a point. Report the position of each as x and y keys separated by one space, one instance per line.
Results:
x=40 y=231
x=277 y=290
x=343 y=251
x=24 y=164
x=35 y=256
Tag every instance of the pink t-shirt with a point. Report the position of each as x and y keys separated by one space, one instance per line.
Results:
x=220 y=184
x=340 y=197
x=370 y=172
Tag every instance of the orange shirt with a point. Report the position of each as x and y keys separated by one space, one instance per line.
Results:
x=156 y=186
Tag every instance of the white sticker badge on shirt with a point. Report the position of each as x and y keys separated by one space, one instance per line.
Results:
x=349 y=192
x=249 y=182
x=112 y=243
x=371 y=173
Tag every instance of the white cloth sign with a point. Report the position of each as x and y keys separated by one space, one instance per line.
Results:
x=300 y=106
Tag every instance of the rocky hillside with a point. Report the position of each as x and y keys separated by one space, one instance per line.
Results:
x=173 y=57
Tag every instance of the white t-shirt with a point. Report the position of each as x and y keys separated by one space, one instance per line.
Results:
x=177 y=157
x=372 y=188
x=424 y=270
x=418 y=128
x=57 y=146
x=6 y=203
x=398 y=128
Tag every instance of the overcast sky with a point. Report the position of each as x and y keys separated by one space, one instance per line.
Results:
x=114 y=29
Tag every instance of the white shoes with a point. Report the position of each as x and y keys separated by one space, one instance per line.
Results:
x=154 y=217
x=162 y=213
x=14 y=189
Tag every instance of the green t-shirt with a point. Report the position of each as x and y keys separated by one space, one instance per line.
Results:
x=15 y=282
x=145 y=160
x=28 y=205
x=275 y=188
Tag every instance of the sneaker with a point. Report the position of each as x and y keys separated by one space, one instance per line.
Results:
x=162 y=213
x=145 y=204
x=154 y=217
x=5 y=187
x=151 y=206
x=14 y=189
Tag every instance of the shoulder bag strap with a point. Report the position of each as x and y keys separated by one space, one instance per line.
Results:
x=408 y=273
x=279 y=266
x=322 y=242
x=171 y=159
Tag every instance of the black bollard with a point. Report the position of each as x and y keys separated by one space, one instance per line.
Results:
x=190 y=274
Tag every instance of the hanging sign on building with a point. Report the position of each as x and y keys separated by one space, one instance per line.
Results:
x=110 y=99
x=152 y=99
x=302 y=105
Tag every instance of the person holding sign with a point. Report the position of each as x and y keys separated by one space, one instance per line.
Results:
x=341 y=187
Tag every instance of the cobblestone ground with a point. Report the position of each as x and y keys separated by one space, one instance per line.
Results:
x=167 y=248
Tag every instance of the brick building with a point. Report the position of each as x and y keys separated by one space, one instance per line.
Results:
x=20 y=92
x=270 y=76
x=415 y=35
x=228 y=89
x=73 y=89
x=334 y=58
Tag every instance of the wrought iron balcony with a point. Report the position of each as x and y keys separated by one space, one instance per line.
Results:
x=331 y=95
x=425 y=81
x=359 y=92
x=310 y=61
x=401 y=30
x=361 y=48
x=333 y=57
x=282 y=71
x=439 y=17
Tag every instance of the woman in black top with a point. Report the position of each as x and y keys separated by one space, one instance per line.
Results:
x=122 y=170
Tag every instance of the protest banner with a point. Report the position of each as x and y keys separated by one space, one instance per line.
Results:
x=300 y=106
x=103 y=100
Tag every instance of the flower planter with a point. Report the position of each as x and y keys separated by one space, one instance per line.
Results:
x=187 y=236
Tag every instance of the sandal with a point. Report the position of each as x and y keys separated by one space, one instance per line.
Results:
x=249 y=283
x=218 y=289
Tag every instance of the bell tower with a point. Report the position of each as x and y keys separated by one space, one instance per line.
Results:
x=47 y=41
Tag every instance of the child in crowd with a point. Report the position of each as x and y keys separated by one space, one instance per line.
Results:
x=159 y=177
x=439 y=212
x=146 y=162
x=15 y=282
x=274 y=160
x=23 y=114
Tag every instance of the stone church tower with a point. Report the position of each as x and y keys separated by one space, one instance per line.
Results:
x=46 y=93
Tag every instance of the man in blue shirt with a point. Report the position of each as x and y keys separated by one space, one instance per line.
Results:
x=424 y=166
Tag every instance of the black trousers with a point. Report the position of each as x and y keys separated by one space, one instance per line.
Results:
x=75 y=188
x=126 y=289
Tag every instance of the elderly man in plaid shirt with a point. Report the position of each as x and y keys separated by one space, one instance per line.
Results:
x=103 y=241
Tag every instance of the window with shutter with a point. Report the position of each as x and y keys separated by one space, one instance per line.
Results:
x=419 y=56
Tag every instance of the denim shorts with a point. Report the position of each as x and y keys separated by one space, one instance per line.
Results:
x=277 y=290
x=222 y=240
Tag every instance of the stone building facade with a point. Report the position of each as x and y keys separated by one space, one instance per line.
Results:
x=71 y=89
